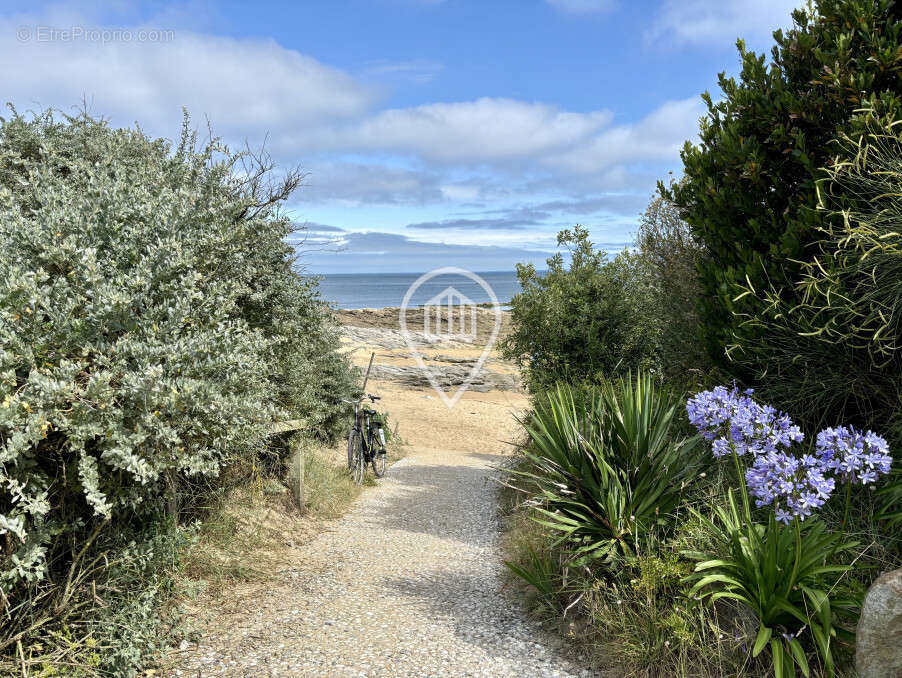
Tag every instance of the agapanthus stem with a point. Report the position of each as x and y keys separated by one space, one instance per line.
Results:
x=845 y=521
x=845 y=515
x=742 y=488
x=795 y=566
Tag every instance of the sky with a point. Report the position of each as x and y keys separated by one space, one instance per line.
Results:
x=430 y=132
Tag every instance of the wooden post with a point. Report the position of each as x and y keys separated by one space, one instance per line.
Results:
x=297 y=483
x=368 y=368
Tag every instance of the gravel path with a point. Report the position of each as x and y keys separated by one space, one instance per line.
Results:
x=409 y=583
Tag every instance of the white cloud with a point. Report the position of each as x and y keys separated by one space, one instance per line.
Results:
x=416 y=71
x=492 y=149
x=659 y=136
x=399 y=253
x=485 y=130
x=355 y=184
x=495 y=149
x=242 y=86
x=706 y=21
x=582 y=6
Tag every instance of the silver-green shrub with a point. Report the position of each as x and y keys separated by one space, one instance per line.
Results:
x=151 y=328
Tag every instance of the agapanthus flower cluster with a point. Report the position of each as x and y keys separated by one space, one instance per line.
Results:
x=779 y=478
x=795 y=485
x=734 y=422
x=855 y=457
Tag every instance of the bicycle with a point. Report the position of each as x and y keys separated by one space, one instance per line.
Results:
x=366 y=441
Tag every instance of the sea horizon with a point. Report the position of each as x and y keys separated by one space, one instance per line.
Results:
x=387 y=290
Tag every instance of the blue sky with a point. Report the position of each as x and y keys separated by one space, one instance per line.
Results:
x=432 y=132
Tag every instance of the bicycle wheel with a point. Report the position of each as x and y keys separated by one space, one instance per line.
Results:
x=378 y=459
x=355 y=457
x=352 y=443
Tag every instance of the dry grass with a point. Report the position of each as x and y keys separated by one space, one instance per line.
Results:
x=328 y=489
x=244 y=537
x=239 y=537
x=248 y=531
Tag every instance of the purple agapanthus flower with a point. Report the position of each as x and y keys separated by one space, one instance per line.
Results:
x=855 y=457
x=733 y=421
x=794 y=485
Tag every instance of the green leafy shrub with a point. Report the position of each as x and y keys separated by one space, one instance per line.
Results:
x=592 y=320
x=643 y=621
x=673 y=254
x=308 y=375
x=108 y=614
x=749 y=192
x=151 y=328
x=607 y=465
x=831 y=345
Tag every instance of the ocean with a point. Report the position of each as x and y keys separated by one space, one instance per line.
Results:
x=378 y=290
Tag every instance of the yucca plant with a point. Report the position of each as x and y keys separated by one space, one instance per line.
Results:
x=607 y=464
x=539 y=570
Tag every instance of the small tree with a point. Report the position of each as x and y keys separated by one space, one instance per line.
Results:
x=749 y=192
x=595 y=318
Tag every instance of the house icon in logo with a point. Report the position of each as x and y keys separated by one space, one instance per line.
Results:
x=450 y=315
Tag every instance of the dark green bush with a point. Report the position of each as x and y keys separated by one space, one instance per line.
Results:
x=749 y=192
x=594 y=319
x=673 y=254
x=832 y=344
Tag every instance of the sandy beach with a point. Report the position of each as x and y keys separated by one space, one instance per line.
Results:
x=485 y=414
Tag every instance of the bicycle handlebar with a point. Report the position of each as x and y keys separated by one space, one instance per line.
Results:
x=373 y=398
